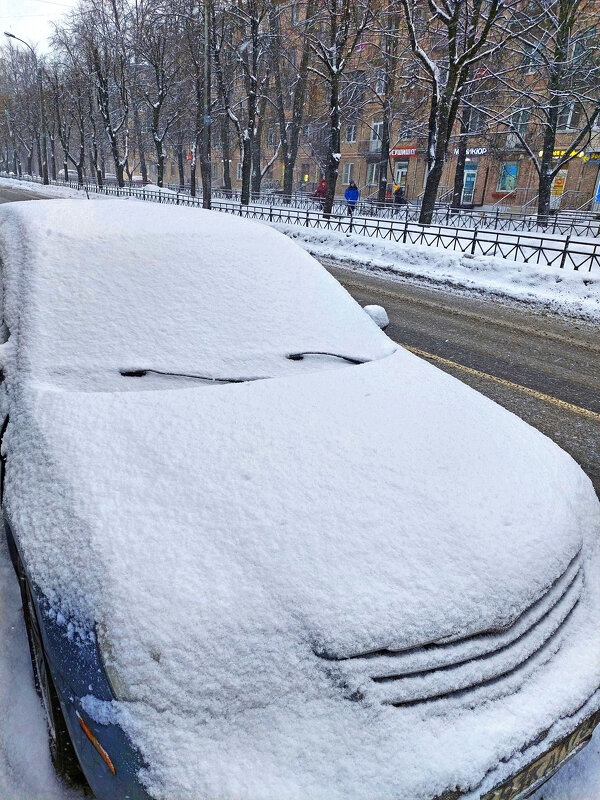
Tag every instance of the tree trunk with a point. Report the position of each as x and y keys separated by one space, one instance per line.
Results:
x=385 y=154
x=193 y=168
x=440 y=124
x=52 y=159
x=257 y=147
x=206 y=164
x=332 y=166
x=39 y=156
x=140 y=144
x=180 y=164
x=226 y=154
x=459 y=175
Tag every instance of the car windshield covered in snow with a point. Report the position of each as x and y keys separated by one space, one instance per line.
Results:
x=190 y=294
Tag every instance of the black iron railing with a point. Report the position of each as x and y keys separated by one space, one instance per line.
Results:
x=525 y=247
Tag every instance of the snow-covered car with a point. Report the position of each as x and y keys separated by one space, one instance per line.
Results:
x=265 y=552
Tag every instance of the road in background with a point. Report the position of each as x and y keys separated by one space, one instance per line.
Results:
x=543 y=367
x=12 y=195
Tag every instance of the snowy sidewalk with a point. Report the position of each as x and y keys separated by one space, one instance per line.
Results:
x=576 y=294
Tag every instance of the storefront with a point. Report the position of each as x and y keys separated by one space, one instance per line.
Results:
x=470 y=177
x=401 y=156
x=591 y=159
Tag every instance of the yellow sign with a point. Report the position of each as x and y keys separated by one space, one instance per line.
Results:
x=561 y=153
x=558 y=184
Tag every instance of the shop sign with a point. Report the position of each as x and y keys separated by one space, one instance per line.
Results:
x=473 y=151
x=591 y=155
x=558 y=188
x=561 y=153
x=403 y=152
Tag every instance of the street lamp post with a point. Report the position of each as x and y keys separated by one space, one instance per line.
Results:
x=38 y=70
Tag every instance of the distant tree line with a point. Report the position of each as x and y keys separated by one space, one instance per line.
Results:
x=198 y=81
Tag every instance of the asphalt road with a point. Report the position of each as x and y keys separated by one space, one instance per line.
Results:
x=543 y=367
x=10 y=195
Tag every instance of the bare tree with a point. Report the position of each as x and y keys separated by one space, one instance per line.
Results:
x=333 y=40
x=447 y=41
x=552 y=90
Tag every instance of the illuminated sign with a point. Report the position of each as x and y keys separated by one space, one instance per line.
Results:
x=403 y=152
x=561 y=153
x=473 y=151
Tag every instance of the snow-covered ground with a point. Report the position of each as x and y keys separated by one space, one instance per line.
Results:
x=576 y=293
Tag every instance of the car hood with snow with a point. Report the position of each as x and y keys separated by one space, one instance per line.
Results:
x=283 y=572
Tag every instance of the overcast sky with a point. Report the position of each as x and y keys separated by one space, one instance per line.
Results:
x=30 y=19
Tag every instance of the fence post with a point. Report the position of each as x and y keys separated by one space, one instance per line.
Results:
x=270 y=213
x=474 y=240
x=405 y=232
x=351 y=219
x=563 y=258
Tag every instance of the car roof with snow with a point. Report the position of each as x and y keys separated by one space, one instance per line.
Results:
x=129 y=286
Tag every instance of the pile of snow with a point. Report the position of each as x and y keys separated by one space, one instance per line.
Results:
x=576 y=293
x=224 y=538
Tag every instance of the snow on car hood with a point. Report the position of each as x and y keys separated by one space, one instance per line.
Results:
x=381 y=506
x=222 y=536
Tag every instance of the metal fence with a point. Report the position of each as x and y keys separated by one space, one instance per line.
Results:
x=528 y=248
x=562 y=223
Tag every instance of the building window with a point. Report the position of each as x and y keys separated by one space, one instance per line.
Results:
x=294 y=13
x=351 y=133
x=372 y=174
x=271 y=137
x=214 y=171
x=476 y=121
x=531 y=58
x=380 y=82
x=519 y=120
x=509 y=172
x=305 y=172
x=376 y=134
x=239 y=171
x=569 y=116
x=347 y=172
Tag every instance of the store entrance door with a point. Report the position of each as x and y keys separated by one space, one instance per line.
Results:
x=468 y=191
x=400 y=172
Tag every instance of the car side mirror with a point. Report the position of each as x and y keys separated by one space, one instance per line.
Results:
x=379 y=316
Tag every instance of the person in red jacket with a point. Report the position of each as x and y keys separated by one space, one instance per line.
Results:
x=320 y=192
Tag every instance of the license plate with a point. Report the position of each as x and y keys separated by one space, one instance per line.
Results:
x=539 y=771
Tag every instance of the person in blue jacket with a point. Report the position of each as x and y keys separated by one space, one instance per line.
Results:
x=351 y=194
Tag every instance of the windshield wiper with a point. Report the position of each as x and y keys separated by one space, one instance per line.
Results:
x=140 y=373
x=349 y=359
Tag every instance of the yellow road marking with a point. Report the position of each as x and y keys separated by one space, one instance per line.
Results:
x=546 y=398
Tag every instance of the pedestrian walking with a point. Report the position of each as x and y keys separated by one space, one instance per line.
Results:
x=351 y=194
x=399 y=196
x=320 y=192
